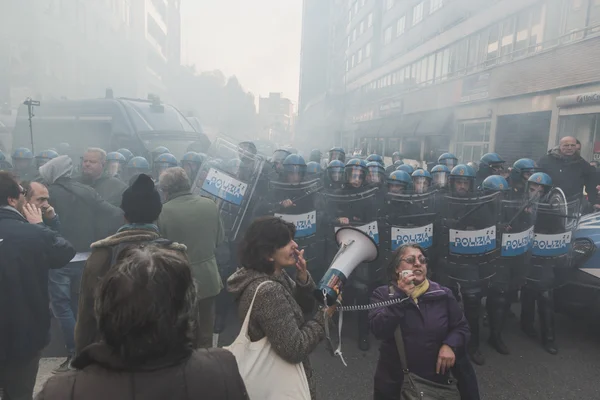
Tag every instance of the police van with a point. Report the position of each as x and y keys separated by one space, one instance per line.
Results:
x=109 y=123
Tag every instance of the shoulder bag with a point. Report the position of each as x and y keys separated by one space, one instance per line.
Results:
x=266 y=375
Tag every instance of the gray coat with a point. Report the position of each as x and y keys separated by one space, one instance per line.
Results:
x=278 y=314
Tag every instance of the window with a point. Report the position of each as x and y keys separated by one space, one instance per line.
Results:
x=355 y=7
x=370 y=20
x=354 y=35
x=473 y=51
x=368 y=50
x=508 y=38
x=435 y=5
x=347 y=65
x=430 y=68
x=389 y=4
x=522 y=34
x=417 y=14
x=575 y=18
x=387 y=35
x=594 y=16
x=362 y=27
x=492 y=45
x=472 y=140
x=442 y=63
x=352 y=61
x=349 y=15
x=360 y=56
x=362 y=3
x=400 y=26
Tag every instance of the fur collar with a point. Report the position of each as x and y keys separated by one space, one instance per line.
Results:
x=133 y=235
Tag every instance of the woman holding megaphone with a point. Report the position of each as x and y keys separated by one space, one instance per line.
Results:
x=423 y=337
x=275 y=340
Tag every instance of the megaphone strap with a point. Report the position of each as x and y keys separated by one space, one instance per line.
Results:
x=338 y=350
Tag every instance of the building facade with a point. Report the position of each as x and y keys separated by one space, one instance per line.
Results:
x=276 y=116
x=470 y=76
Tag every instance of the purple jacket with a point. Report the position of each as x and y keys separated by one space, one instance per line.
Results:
x=436 y=320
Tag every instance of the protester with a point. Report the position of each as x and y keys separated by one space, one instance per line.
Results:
x=145 y=306
x=142 y=205
x=569 y=171
x=27 y=251
x=93 y=174
x=434 y=328
x=194 y=221
x=279 y=308
x=84 y=218
x=37 y=194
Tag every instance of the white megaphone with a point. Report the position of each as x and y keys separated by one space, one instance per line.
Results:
x=356 y=247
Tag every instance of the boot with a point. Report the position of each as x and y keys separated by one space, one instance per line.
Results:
x=472 y=306
x=497 y=305
x=363 y=331
x=528 y=298
x=546 y=312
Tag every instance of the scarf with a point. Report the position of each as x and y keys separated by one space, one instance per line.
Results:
x=420 y=289
x=137 y=227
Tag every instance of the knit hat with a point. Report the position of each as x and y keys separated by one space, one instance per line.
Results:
x=141 y=201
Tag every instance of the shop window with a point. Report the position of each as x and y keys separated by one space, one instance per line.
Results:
x=472 y=140
x=417 y=13
x=400 y=26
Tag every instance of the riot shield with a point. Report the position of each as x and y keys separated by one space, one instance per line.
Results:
x=307 y=218
x=231 y=190
x=556 y=220
x=407 y=218
x=470 y=240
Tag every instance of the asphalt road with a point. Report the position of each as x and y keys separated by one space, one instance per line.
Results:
x=529 y=373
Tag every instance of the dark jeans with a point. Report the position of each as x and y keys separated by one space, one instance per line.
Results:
x=17 y=378
x=63 y=287
x=206 y=322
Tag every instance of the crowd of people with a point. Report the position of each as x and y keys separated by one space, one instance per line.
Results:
x=140 y=262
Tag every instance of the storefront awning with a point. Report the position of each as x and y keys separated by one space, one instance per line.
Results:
x=434 y=123
x=384 y=127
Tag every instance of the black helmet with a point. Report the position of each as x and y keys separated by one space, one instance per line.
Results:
x=316 y=155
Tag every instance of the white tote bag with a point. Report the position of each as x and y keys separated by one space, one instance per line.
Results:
x=267 y=376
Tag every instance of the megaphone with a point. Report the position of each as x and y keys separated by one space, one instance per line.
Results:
x=356 y=247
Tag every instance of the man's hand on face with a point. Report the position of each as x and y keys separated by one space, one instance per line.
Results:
x=32 y=214
x=49 y=213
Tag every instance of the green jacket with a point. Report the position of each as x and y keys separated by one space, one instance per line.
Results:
x=195 y=222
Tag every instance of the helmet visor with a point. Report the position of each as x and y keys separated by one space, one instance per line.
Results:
x=421 y=184
x=355 y=176
x=397 y=187
x=335 y=174
x=114 y=168
x=294 y=173
x=336 y=155
x=440 y=179
x=461 y=186
x=374 y=176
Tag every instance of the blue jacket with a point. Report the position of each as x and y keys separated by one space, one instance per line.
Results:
x=436 y=320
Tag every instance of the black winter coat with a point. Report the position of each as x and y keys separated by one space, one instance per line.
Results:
x=27 y=252
x=570 y=174
x=85 y=217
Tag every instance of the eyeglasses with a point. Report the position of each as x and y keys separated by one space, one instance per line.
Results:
x=413 y=260
x=23 y=192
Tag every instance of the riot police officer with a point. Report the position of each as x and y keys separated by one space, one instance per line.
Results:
x=335 y=175
x=470 y=246
x=22 y=159
x=421 y=181
x=162 y=163
x=44 y=156
x=191 y=162
x=375 y=174
x=375 y=158
x=135 y=166
x=337 y=153
x=277 y=159
x=448 y=159
x=115 y=164
x=313 y=170
x=158 y=151
x=393 y=167
x=396 y=156
x=315 y=155
x=126 y=153
x=519 y=175
x=439 y=177
x=4 y=164
x=406 y=168
x=399 y=182
x=490 y=164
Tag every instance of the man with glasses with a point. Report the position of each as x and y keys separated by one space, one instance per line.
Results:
x=570 y=172
x=24 y=313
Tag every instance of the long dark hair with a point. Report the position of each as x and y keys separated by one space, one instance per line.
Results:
x=146 y=304
x=263 y=237
x=397 y=255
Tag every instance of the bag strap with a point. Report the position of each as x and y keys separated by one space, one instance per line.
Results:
x=244 y=329
x=400 y=341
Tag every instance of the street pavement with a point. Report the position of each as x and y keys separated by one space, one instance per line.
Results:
x=529 y=373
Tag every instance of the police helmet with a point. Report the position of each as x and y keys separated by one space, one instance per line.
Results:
x=522 y=170
x=474 y=165
x=495 y=183
x=279 y=155
x=313 y=167
x=335 y=171
x=491 y=163
x=398 y=181
x=315 y=155
x=398 y=163
x=337 y=153
x=160 y=150
x=421 y=180
x=116 y=156
x=538 y=184
x=439 y=175
x=396 y=156
x=375 y=173
x=376 y=158
x=128 y=154
x=115 y=162
x=448 y=159
x=458 y=176
x=63 y=148
x=44 y=156
x=168 y=159
x=356 y=171
x=192 y=157
x=139 y=163
x=22 y=153
x=406 y=168
x=294 y=168
x=421 y=173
